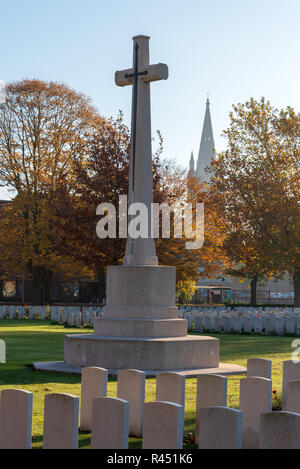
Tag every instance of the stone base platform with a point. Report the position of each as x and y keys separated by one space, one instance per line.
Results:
x=141 y=353
x=222 y=369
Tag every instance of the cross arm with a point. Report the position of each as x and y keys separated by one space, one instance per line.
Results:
x=153 y=73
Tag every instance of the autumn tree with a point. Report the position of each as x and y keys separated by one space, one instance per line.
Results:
x=256 y=182
x=44 y=126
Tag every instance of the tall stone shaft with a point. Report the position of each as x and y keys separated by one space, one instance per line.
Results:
x=141 y=251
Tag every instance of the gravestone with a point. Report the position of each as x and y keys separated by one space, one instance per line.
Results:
x=71 y=318
x=43 y=311
x=279 y=326
x=79 y=319
x=237 y=324
x=216 y=324
x=280 y=430
x=298 y=326
x=190 y=323
x=198 y=324
x=293 y=396
x=291 y=372
x=54 y=313
x=220 y=428
x=290 y=325
x=131 y=388
x=258 y=325
x=21 y=312
x=110 y=423
x=93 y=385
x=163 y=425
x=269 y=325
x=255 y=399
x=12 y=311
x=248 y=325
x=228 y=324
x=15 y=419
x=64 y=315
x=208 y=323
x=170 y=387
x=61 y=416
x=211 y=391
x=259 y=367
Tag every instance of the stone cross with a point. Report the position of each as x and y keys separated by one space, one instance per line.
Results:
x=141 y=251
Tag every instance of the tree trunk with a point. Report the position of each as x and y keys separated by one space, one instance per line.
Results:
x=253 y=285
x=47 y=286
x=41 y=282
x=296 y=282
x=37 y=286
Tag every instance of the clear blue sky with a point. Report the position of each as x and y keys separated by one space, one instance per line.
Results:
x=232 y=49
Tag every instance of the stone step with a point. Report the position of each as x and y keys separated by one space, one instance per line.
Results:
x=140 y=312
x=140 y=327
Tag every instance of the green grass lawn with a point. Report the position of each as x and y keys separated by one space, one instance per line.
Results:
x=29 y=341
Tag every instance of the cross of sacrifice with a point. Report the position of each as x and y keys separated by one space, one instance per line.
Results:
x=141 y=251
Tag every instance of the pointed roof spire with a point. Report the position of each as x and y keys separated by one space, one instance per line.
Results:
x=192 y=162
x=207 y=144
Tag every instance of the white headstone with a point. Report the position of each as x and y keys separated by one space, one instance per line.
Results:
x=216 y=324
x=43 y=311
x=293 y=396
x=269 y=325
x=291 y=372
x=170 y=387
x=110 y=423
x=259 y=367
x=131 y=388
x=211 y=391
x=280 y=430
x=61 y=416
x=163 y=425
x=255 y=399
x=237 y=324
x=228 y=324
x=290 y=325
x=220 y=428
x=15 y=419
x=12 y=311
x=21 y=312
x=279 y=326
x=248 y=325
x=208 y=323
x=93 y=385
x=198 y=324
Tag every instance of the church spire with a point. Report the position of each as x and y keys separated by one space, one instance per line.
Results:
x=207 y=144
x=192 y=163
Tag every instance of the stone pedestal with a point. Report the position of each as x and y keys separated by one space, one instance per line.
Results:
x=140 y=328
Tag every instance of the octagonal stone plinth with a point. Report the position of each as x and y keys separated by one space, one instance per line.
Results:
x=142 y=354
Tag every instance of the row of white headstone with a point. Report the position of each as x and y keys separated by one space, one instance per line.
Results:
x=71 y=315
x=241 y=308
x=280 y=323
x=160 y=423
